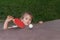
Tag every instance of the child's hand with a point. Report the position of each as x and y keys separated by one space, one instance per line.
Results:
x=9 y=18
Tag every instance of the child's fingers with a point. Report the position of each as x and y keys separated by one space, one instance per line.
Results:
x=9 y=17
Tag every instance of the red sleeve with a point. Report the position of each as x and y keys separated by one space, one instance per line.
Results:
x=19 y=23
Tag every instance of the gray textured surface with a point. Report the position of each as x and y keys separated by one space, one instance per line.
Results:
x=47 y=31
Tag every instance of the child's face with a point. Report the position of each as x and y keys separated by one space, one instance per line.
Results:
x=27 y=19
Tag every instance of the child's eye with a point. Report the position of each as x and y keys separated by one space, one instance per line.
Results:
x=26 y=18
x=30 y=19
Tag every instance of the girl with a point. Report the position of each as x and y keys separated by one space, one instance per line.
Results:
x=25 y=19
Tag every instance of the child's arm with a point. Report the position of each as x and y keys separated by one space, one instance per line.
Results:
x=9 y=18
x=5 y=25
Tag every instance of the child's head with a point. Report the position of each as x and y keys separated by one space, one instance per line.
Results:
x=26 y=18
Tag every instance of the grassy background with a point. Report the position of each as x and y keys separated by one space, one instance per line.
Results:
x=41 y=9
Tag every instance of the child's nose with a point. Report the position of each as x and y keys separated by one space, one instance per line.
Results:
x=28 y=22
